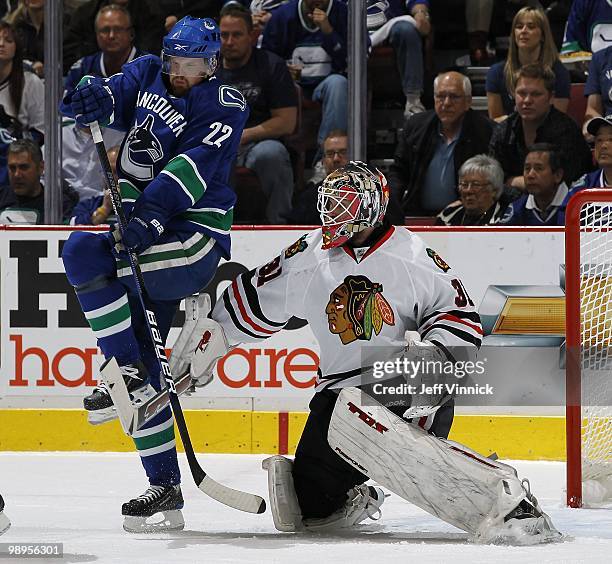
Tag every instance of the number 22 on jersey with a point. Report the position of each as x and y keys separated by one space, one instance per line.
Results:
x=220 y=132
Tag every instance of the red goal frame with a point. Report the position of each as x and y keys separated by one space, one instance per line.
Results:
x=573 y=407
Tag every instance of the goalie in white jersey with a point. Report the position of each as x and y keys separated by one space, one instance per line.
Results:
x=362 y=284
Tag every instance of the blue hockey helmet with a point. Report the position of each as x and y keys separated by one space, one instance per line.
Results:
x=192 y=47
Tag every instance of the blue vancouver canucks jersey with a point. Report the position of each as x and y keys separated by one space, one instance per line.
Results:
x=178 y=154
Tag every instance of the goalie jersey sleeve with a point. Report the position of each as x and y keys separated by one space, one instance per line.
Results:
x=356 y=308
x=259 y=303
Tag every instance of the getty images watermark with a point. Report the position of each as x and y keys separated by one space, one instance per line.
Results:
x=430 y=375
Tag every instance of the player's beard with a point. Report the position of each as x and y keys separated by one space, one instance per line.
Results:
x=180 y=85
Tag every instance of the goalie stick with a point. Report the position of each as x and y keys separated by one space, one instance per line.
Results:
x=233 y=498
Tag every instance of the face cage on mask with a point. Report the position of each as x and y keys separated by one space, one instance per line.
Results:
x=339 y=206
x=195 y=67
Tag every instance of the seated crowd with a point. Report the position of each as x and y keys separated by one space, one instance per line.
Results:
x=518 y=163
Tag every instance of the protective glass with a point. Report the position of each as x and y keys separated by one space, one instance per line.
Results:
x=189 y=66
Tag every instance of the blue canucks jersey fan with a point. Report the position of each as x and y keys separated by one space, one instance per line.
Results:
x=546 y=191
x=183 y=130
x=589 y=26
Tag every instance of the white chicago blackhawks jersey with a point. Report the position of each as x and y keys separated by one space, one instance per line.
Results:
x=353 y=306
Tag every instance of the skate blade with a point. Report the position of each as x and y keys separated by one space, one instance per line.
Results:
x=524 y=532
x=5 y=523
x=159 y=522
x=102 y=415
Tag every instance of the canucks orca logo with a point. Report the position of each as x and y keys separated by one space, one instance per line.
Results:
x=231 y=97
x=142 y=150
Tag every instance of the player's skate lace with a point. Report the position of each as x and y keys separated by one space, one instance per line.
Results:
x=151 y=494
x=101 y=387
x=131 y=371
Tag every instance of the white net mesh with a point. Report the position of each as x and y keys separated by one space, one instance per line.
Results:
x=596 y=354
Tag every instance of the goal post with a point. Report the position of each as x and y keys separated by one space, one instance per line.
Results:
x=588 y=289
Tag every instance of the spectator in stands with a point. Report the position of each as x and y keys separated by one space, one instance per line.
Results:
x=389 y=21
x=531 y=41
x=482 y=200
x=545 y=189
x=28 y=20
x=171 y=11
x=598 y=88
x=7 y=6
x=24 y=200
x=600 y=129
x=589 y=27
x=335 y=155
x=478 y=15
x=97 y=209
x=536 y=120
x=80 y=34
x=115 y=38
x=261 y=10
x=21 y=92
x=264 y=80
x=432 y=147
x=313 y=35
x=5 y=141
x=80 y=164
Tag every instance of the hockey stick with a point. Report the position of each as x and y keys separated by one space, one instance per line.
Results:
x=239 y=500
x=200 y=344
x=134 y=416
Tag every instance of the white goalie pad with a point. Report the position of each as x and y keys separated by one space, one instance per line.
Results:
x=442 y=477
x=284 y=505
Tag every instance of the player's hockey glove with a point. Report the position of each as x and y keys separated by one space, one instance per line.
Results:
x=113 y=237
x=144 y=228
x=92 y=101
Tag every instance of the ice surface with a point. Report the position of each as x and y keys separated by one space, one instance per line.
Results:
x=76 y=498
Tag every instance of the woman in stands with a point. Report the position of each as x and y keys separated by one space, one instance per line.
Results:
x=21 y=92
x=531 y=41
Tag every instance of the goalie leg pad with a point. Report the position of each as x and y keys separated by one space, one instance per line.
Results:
x=284 y=505
x=441 y=477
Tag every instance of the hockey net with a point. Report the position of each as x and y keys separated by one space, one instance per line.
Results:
x=588 y=285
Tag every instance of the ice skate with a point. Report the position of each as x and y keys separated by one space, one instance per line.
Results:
x=156 y=510
x=363 y=503
x=4 y=520
x=99 y=404
x=526 y=524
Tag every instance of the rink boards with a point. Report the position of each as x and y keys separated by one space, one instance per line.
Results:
x=257 y=402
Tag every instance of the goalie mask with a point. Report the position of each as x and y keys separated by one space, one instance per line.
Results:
x=351 y=199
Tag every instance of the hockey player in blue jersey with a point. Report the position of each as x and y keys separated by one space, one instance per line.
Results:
x=183 y=129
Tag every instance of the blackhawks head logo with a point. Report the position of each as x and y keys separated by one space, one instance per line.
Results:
x=438 y=260
x=297 y=247
x=357 y=308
